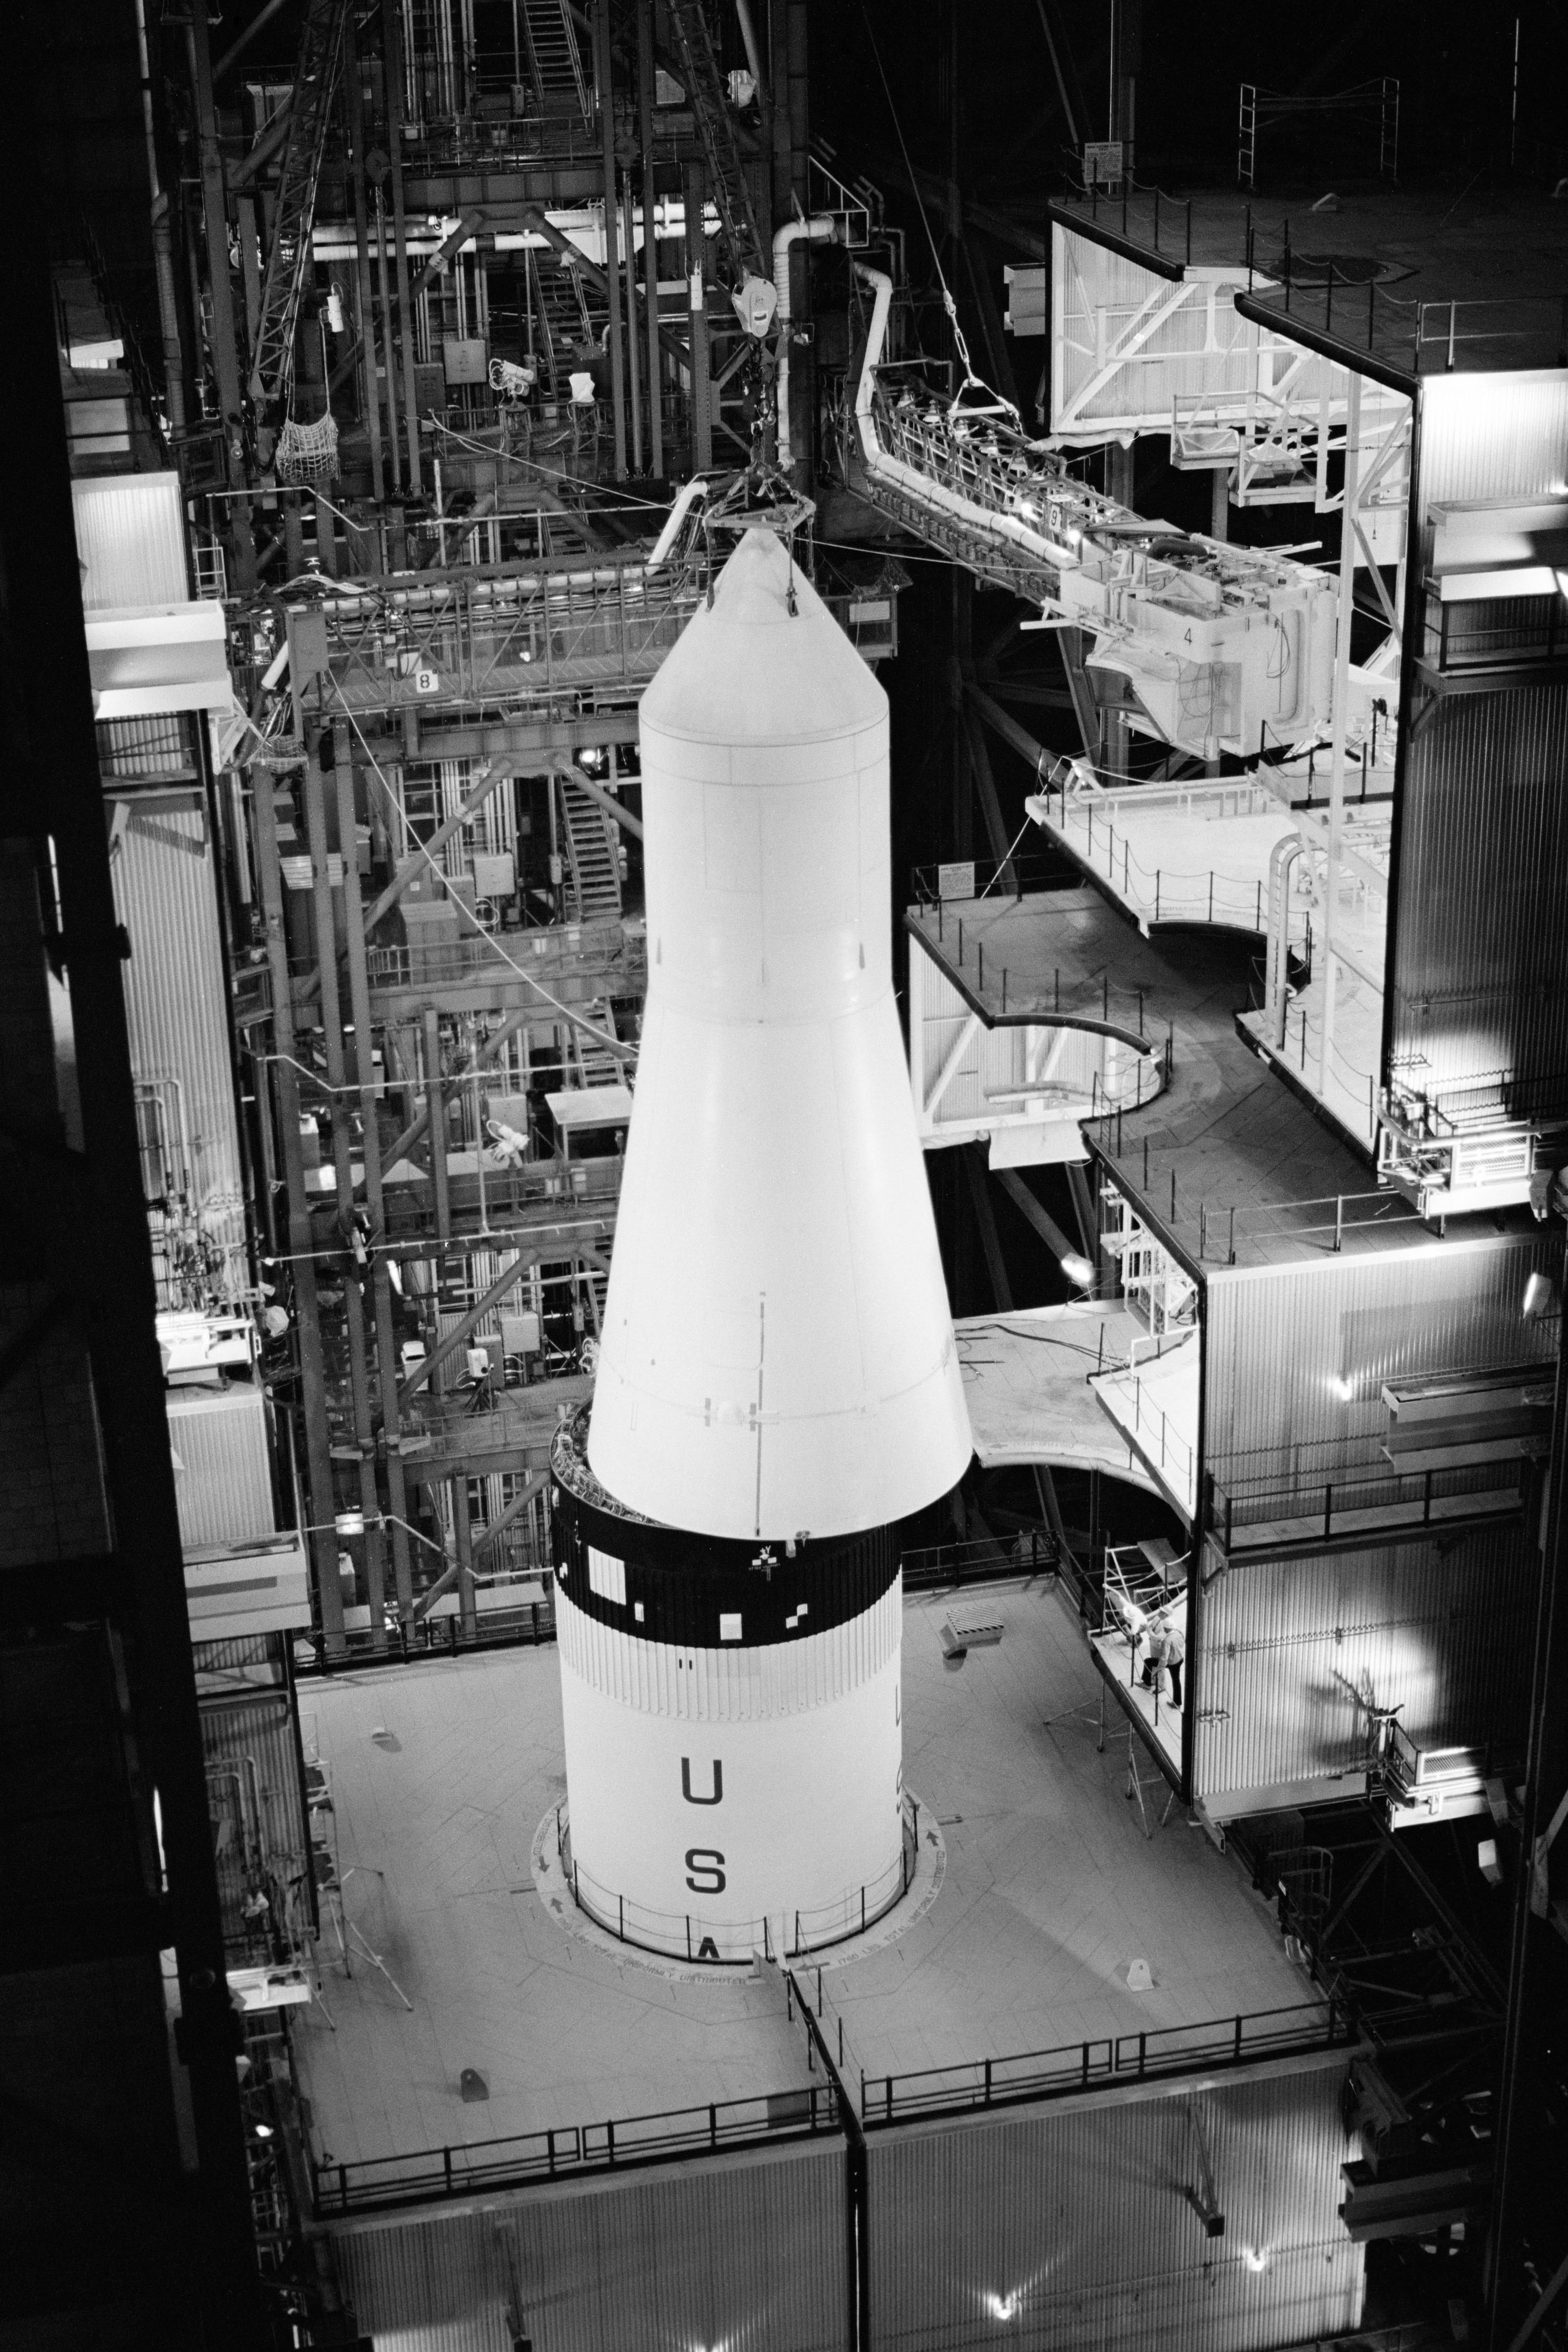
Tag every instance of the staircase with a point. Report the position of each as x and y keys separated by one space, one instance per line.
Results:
x=594 y=1066
x=289 y=257
x=710 y=104
x=562 y=322
x=591 y=854
x=554 y=59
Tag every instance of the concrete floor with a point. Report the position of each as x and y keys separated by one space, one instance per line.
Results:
x=1051 y=1890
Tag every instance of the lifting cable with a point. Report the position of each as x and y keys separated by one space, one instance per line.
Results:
x=996 y=405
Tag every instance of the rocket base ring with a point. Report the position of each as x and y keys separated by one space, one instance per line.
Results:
x=549 y=1879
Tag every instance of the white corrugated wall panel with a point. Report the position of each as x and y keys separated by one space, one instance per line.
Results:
x=1442 y=1633
x=1076 y=2226
x=176 y=996
x=1278 y=1342
x=130 y=535
x=225 y=1489
x=749 y=2254
x=1499 y=437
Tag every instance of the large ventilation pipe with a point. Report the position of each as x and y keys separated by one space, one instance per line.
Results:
x=820 y=229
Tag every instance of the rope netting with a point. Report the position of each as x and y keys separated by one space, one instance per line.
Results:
x=307 y=453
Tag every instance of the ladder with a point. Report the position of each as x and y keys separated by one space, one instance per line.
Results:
x=289 y=257
x=720 y=144
x=554 y=59
x=595 y=868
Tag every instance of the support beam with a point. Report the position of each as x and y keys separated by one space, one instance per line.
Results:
x=490 y=779
x=342 y=1169
x=392 y=29
x=220 y=285
x=695 y=197
x=990 y=803
x=608 y=802
x=1083 y=1210
x=1049 y=1231
x=251 y=166
x=536 y=218
x=301 y=1240
x=375 y=1206
x=649 y=240
x=604 y=81
x=462 y=1529
x=353 y=98
x=512 y=1513
x=435 y=1119
x=435 y=264
x=1007 y=730
x=504 y=1284
x=985 y=1218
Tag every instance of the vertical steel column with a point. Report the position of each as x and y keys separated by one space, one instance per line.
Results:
x=604 y=79
x=963 y=820
x=1341 y=699
x=367 y=303
x=694 y=186
x=323 y=1545
x=464 y=1534
x=803 y=354
x=633 y=363
x=388 y=379
x=392 y=25
x=649 y=235
x=436 y=1114
x=249 y=265
x=342 y=1169
x=220 y=286
x=326 y=537
x=375 y=1200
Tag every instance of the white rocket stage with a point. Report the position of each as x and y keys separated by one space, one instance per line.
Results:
x=1051 y=1890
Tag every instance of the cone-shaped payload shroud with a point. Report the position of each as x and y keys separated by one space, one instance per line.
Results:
x=777 y=1354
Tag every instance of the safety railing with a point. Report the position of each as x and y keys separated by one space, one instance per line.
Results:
x=962 y=879
x=1077 y=2066
x=452 y=963
x=1149 y=1424
x=428 y=1638
x=735 y=1943
x=928 y=1568
x=573 y=630
x=1495 y=633
x=1139 y=210
x=622 y=2143
x=1162 y=894
x=1305 y=1511
x=1444 y=1111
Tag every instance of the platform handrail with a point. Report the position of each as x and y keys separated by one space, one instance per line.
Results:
x=625 y=2143
x=1107 y=2060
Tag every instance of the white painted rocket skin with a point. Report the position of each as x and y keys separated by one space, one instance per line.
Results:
x=777 y=1361
x=728 y=1786
x=778 y=1349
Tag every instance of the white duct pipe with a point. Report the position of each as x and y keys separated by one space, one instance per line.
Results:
x=753 y=55
x=919 y=485
x=686 y=499
x=820 y=229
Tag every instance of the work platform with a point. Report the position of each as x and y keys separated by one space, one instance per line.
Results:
x=1425 y=279
x=441 y=1773
x=1220 y=1136
x=1026 y=1381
